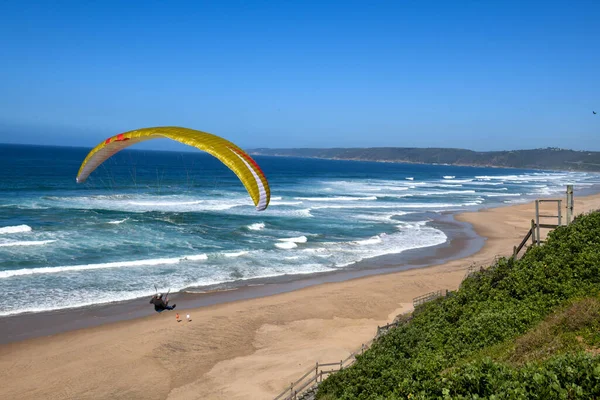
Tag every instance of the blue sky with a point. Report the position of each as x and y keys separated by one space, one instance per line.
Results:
x=484 y=75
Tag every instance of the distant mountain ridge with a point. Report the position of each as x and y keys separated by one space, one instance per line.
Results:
x=550 y=158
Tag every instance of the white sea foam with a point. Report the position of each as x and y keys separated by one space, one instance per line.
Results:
x=485 y=183
x=449 y=176
x=336 y=198
x=15 y=229
x=381 y=217
x=370 y=241
x=417 y=236
x=398 y=196
x=293 y=212
x=411 y=225
x=285 y=203
x=118 y=221
x=444 y=192
x=526 y=178
x=445 y=185
x=305 y=212
x=118 y=264
x=197 y=257
x=289 y=212
x=410 y=178
x=299 y=239
x=165 y=203
x=235 y=254
x=461 y=180
x=286 y=245
x=26 y=243
x=432 y=205
x=290 y=243
x=257 y=226
x=499 y=194
x=145 y=203
x=88 y=198
x=359 y=206
x=322 y=251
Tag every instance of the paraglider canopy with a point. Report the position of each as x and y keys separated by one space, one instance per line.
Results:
x=237 y=160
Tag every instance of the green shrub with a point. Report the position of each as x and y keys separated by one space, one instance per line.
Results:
x=491 y=307
x=567 y=376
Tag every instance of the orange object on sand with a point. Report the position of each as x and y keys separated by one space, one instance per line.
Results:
x=177 y=316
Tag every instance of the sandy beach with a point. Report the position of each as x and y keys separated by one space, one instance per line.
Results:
x=243 y=349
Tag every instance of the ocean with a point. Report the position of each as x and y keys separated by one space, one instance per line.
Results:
x=183 y=221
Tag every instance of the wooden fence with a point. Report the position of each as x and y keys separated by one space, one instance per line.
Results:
x=417 y=301
x=536 y=225
x=534 y=234
x=307 y=384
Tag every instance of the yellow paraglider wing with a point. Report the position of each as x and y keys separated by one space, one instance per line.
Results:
x=246 y=169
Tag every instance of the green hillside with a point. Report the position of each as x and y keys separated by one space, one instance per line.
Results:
x=549 y=158
x=520 y=329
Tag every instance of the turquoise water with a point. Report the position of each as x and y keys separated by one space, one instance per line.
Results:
x=183 y=220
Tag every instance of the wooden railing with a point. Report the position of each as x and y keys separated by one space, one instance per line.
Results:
x=308 y=382
x=530 y=234
x=382 y=330
x=417 y=301
x=534 y=234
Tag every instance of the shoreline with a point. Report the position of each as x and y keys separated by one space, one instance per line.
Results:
x=462 y=241
x=388 y=263
x=246 y=348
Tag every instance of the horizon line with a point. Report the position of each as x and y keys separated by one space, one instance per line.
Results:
x=319 y=148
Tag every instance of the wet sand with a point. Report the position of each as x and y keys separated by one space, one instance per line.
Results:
x=247 y=347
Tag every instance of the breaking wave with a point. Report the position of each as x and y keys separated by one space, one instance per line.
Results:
x=86 y=267
x=14 y=229
x=27 y=243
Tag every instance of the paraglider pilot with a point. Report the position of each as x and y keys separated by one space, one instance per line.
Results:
x=160 y=304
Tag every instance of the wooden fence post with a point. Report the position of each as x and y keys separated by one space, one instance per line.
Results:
x=559 y=212
x=537 y=221
x=317 y=371
x=569 y=203
x=532 y=232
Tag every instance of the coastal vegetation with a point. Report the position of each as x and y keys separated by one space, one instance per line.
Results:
x=526 y=328
x=548 y=158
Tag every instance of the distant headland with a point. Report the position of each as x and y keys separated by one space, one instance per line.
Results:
x=550 y=158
